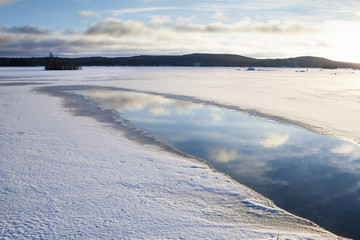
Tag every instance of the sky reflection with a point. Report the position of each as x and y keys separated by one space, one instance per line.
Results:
x=274 y=140
x=133 y=101
x=311 y=175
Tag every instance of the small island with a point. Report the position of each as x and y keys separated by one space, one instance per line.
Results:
x=57 y=63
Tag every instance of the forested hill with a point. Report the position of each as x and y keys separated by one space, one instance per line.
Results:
x=197 y=59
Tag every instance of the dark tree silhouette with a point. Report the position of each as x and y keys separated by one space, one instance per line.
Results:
x=329 y=66
x=56 y=63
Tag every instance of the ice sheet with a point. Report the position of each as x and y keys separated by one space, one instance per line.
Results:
x=325 y=101
x=65 y=176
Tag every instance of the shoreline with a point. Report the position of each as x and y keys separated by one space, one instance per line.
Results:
x=251 y=206
x=85 y=106
x=58 y=90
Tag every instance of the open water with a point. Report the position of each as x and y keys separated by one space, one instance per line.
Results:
x=308 y=174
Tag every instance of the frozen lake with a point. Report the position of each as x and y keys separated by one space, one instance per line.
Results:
x=311 y=175
x=198 y=111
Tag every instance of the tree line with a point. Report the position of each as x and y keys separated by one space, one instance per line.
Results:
x=200 y=60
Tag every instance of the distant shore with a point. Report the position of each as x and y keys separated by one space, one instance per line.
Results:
x=190 y=60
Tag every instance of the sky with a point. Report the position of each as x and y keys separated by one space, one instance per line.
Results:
x=253 y=28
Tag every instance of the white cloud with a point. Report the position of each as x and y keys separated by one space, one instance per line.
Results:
x=162 y=35
x=115 y=27
x=160 y=20
x=218 y=15
x=274 y=140
x=88 y=14
x=244 y=26
x=120 y=12
x=115 y=36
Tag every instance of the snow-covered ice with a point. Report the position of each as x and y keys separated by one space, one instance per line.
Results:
x=66 y=175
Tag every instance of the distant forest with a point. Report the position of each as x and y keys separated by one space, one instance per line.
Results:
x=197 y=59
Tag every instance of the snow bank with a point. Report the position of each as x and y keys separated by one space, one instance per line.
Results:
x=66 y=176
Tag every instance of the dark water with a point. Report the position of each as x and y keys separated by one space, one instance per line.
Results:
x=310 y=175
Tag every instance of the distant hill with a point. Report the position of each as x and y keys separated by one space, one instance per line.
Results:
x=196 y=59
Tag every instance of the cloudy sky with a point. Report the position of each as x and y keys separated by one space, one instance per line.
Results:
x=254 y=28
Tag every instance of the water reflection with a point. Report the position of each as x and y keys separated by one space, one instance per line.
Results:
x=223 y=155
x=133 y=101
x=274 y=140
x=310 y=175
x=343 y=149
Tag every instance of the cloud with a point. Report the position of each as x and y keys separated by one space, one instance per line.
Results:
x=160 y=35
x=7 y=2
x=218 y=15
x=5 y=40
x=116 y=27
x=113 y=37
x=34 y=41
x=160 y=20
x=27 y=39
x=88 y=14
x=120 y=12
x=164 y=35
x=244 y=26
x=29 y=29
x=34 y=44
x=274 y=140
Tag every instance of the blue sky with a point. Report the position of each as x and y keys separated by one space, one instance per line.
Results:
x=263 y=29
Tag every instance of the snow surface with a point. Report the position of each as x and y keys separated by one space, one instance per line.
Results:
x=71 y=176
x=324 y=101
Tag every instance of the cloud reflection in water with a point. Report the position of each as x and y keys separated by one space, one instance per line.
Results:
x=134 y=101
x=343 y=149
x=274 y=140
x=301 y=171
x=223 y=155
